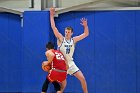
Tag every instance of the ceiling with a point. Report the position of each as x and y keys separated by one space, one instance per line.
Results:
x=68 y=5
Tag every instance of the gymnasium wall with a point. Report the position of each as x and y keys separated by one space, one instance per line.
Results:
x=35 y=36
x=137 y=48
x=10 y=52
x=109 y=57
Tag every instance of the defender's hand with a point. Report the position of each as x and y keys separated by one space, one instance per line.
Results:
x=52 y=11
x=83 y=22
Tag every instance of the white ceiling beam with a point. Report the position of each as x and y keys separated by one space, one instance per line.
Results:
x=108 y=5
x=133 y=3
x=108 y=8
x=5 y=9
x=76 y=7
x=114 y=5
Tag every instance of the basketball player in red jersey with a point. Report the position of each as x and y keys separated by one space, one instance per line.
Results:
x=58 y=72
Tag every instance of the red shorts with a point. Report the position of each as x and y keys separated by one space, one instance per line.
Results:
x=57 y=76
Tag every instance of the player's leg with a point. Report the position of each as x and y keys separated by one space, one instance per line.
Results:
x=81 y=77
x=57 y=87
x=45 y=86
x=63 y=85
x=74 y=70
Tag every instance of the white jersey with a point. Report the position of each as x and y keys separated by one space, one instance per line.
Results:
x=67 y=48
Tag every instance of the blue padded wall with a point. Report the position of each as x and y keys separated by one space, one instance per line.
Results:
x=137 y=38
x=104 y=52
x=10 y=52
x=109 y=57
x=35 y=36
x=125 y=52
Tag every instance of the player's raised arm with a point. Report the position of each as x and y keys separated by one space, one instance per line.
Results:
x=86 y=31
x=55 y=30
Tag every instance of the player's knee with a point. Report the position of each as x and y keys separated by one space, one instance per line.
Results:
x=64 y=83
x=82 y=79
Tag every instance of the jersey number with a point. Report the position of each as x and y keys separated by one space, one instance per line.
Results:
x=59 y=56
x=67 y=50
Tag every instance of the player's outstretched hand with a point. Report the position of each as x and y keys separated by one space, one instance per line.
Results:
x=52 y=11
x=83 y=22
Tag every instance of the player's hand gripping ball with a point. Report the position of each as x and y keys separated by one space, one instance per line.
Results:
x=45 y=66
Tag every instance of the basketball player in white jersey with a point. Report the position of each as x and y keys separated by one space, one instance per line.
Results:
x=67 y=45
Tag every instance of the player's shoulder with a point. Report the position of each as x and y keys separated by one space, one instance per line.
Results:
x=73 y=39
x=56 y=50
x=49 y=52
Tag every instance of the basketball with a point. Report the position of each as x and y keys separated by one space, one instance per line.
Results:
x=45 y=66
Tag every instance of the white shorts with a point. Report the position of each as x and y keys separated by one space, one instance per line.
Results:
x=73 y=69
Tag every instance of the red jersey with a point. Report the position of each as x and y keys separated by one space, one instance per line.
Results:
x=58 y=60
